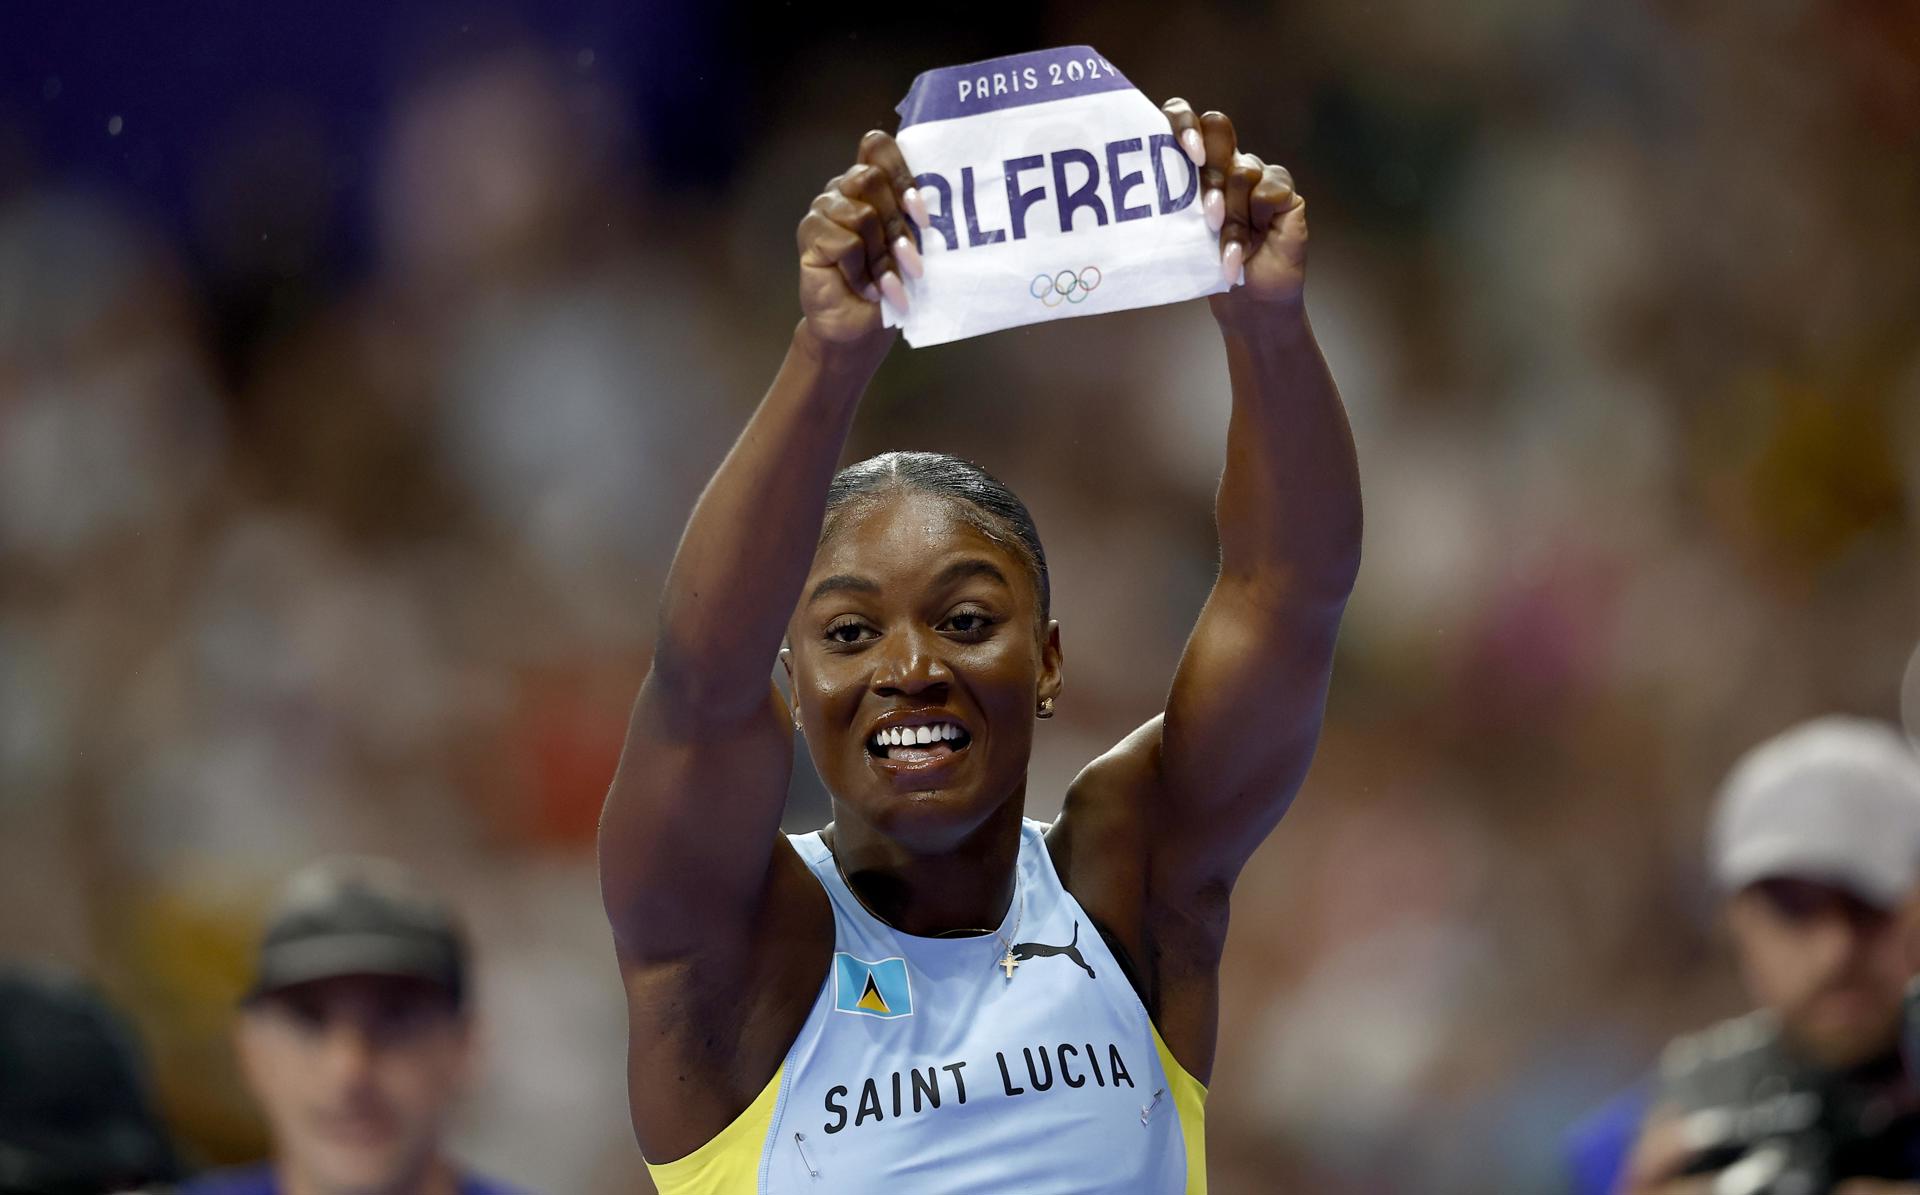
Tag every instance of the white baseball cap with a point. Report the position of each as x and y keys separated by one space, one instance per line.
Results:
x=1836 y=800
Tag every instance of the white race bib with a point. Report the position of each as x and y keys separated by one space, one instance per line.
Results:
x=1054 y=189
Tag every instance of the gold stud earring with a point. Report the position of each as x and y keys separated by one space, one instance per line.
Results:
x=1046 y=707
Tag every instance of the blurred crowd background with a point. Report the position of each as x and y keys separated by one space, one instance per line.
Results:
x=359 y=364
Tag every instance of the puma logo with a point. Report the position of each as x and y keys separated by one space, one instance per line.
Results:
x=1022 y=951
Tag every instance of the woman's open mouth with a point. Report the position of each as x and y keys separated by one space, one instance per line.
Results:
x=923 y=744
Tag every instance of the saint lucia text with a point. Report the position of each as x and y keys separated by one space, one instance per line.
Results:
x=1034 y=1069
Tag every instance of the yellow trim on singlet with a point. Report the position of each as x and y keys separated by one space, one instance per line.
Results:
x=1190 y=1101
x=729 y=1162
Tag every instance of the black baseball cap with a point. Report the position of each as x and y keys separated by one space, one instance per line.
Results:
x=77 y=1114
x=357 y=915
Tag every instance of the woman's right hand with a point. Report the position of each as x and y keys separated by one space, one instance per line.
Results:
x=856 y=244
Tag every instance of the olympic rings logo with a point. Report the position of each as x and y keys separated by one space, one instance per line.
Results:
x=1064 y=287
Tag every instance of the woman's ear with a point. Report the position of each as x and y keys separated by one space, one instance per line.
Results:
x=1051 y=664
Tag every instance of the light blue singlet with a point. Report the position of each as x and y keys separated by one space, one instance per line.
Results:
x=924 y=1069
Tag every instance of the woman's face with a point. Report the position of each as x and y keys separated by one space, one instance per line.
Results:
x=913 y=624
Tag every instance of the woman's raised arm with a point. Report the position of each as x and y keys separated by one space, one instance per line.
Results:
x=1159 y=828
x=691 y=820
x=1247 y=701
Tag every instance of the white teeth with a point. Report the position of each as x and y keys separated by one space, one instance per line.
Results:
x=917 y=736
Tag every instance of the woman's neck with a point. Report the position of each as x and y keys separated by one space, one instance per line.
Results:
x=967 y=888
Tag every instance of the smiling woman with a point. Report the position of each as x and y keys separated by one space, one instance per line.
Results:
x=934 y=993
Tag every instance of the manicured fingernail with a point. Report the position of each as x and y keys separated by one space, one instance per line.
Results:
x=871 y=293
x=908 y=257
x=1190 y=141
x=894 y=289
x=1230 y=262
x=1214 y=204
x=916 y=205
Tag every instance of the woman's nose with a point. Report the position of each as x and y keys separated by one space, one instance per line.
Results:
x=909 y=662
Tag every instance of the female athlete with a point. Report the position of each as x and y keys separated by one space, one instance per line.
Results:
x=934 y=993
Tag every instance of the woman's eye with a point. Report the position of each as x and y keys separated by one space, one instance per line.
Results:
x=968 y=622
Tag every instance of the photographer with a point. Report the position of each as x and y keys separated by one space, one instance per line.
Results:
x=1816 y=843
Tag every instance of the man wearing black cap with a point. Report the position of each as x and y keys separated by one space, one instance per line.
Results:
x=355 y=1038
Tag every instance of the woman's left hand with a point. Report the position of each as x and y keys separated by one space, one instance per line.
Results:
x=1261 y=219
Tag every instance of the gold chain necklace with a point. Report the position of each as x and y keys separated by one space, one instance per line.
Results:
x=1006 y=962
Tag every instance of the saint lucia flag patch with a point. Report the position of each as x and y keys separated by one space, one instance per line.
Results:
x=871 y=989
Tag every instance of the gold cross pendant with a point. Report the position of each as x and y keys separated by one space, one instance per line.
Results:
x=1008 y=963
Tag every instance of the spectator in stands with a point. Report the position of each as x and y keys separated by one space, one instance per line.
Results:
x=76 y=1113
x=356 y=1038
